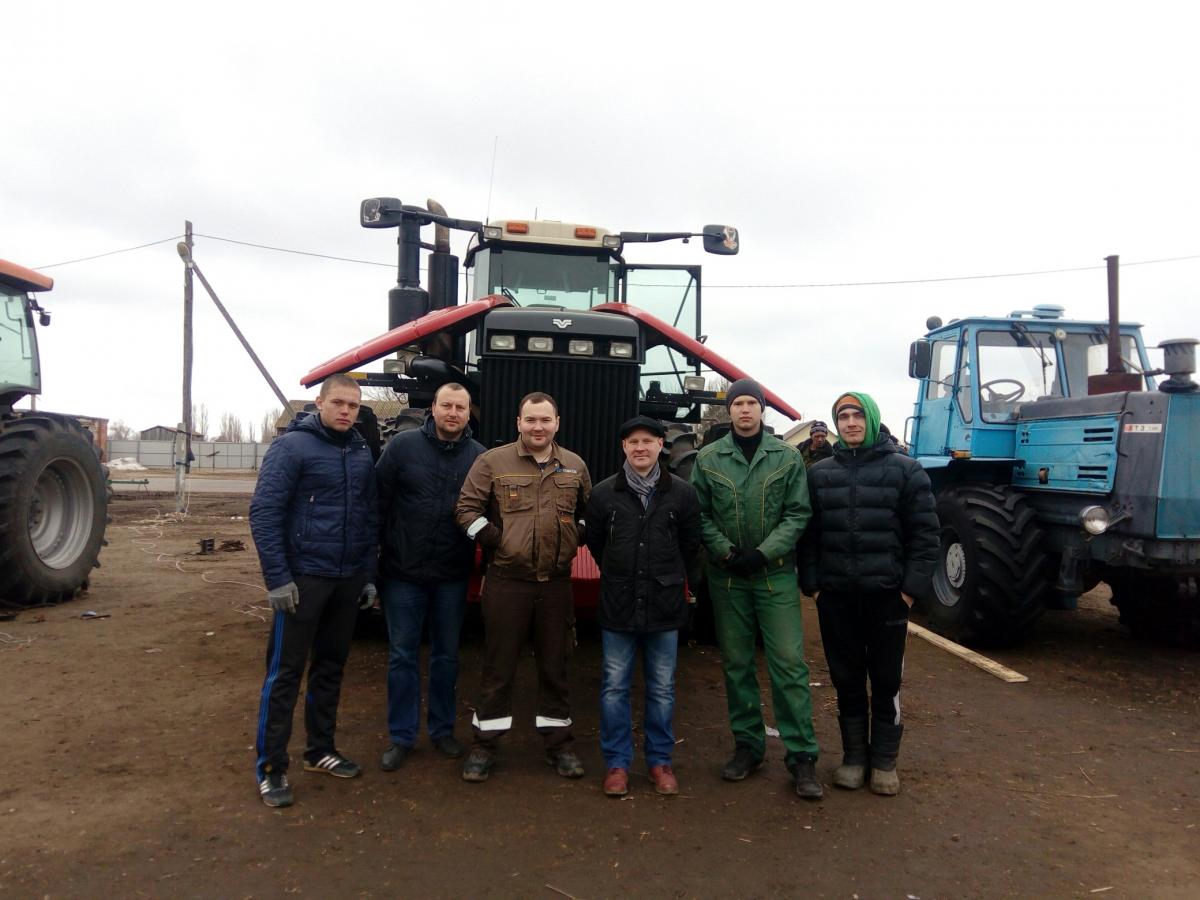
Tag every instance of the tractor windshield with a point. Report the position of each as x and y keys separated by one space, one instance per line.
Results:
x=561 y=278
x=1087 y=354
x=18 y=356
x=1015 y=366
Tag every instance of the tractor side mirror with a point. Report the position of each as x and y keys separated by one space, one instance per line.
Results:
x=380 y=212
x=920 y=357
x=722 y=240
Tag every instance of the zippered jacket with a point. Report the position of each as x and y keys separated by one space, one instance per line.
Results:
x=419 y=477
x=644 y=553
x=537 y=509
x=874 y=524
x=762 y=504
x=314 y=510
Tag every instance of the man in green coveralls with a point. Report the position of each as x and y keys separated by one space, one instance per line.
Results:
x=753 y=508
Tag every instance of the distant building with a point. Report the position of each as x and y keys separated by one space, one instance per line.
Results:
x=163 y=433
x=797 y=434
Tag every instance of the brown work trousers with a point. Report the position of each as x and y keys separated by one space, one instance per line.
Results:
x=510 y=605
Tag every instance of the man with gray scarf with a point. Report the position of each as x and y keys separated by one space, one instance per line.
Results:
x=643 y=529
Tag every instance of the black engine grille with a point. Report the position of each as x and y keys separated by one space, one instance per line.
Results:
x=593 y=398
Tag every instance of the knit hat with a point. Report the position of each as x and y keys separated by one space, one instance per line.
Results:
x=745 y=387
x=818 y=428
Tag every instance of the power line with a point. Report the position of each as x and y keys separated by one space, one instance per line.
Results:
x=68 y=262
x=793 y=286
x=365 y=262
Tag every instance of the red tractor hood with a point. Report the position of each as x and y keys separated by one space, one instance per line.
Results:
x=462 y=318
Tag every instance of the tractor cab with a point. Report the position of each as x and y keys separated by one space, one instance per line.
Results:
x=979 y=374
x=20 y=371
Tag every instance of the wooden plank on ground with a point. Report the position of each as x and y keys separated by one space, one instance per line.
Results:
x=1004 y=673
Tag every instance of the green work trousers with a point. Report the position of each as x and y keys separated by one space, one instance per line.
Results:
x=741 y=606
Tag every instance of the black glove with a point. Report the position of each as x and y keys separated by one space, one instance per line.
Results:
x=747 y=563
x=488 y=537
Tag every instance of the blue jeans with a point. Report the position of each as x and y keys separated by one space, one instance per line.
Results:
x=405 y=605
x=616 y=715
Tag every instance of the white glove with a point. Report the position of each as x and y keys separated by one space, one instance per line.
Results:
x=284 y=598
x=367 y=599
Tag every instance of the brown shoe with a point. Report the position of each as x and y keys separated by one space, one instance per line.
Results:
x=664 y=780
x=616 y=783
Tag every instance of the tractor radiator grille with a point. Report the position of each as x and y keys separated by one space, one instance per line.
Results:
x=593 y=398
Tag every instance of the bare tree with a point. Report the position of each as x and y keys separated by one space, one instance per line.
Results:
x=231 y=428
x=266 y=429
x=200 y=419
x=119 y=431
x=250 y=436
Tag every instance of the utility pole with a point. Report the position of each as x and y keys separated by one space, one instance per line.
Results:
x=184 y=466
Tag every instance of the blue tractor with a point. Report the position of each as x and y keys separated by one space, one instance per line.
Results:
x=1059 y=462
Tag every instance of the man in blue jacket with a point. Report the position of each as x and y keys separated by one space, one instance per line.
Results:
x=425 y=563
x=314 y=518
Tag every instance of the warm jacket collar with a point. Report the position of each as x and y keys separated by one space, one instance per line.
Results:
x=883 y=445
x=429 y=429
x=311 y=422
x=555 y=452
x=769 y=444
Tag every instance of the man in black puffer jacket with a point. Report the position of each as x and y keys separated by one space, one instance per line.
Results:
x=643 y=529
x=313 y=518
x=870 y=548
x=425 y=562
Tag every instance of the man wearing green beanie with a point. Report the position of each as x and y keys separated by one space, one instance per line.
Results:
x=753 y=508
x=870 y=549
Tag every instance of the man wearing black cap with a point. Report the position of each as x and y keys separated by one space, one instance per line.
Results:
x=643 y=529
x=754 y=506
x=816 y=447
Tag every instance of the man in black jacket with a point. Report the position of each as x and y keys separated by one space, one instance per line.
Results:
x=425 y=564
x=643 y=529
x=313 y=522
x=870 y=548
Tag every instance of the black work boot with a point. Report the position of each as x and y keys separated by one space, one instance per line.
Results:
x=742 y=763
x=804 y=773
x=885 y=747
x=852 y=773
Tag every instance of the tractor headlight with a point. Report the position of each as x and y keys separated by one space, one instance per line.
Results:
x=502 y=342
x=623 y=349
x=1094 y=519
x=492 y=232
x=541 y=344
x=693 y=383
x=580 y=348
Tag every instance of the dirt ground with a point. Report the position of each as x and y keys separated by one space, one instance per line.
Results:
x=128 y=766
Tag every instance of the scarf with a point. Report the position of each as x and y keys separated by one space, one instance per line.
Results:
x=644 y=487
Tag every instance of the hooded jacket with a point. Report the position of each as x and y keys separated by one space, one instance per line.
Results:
x=314 y=510
x=644 y=553
x=874 y=526
x=419 y=477
x=762 y=504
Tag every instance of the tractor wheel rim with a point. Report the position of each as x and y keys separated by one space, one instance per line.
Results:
x=950 y=576
x=60 y=514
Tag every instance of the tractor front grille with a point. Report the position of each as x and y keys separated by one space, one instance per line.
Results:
x=593 y=398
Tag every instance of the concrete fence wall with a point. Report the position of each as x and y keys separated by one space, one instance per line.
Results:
x=209 y=454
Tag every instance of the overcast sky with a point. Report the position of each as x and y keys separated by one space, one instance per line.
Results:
x=848 y=142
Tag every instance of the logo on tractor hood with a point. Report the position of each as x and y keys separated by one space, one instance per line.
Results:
x=562 y=323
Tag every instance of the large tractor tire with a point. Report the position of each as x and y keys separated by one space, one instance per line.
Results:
x=408 y=419
x=1159 y=608
x=53 y=508
x=989 y=586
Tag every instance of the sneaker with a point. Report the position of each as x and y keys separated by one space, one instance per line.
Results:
x=393 y=757
x=664 y=780
x=334 y=764
x=805 y=774
x=448 y=746
x=275 y=790
x=478 y=766
x=566 y=763
x=616 y=782
x=742 y=763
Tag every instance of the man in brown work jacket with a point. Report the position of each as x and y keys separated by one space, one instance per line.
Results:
x=524 y=503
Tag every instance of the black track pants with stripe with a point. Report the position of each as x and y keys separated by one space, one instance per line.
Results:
x=323 y=625
x=864 y=636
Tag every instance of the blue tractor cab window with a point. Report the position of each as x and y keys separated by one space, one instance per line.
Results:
x=1015 y=366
